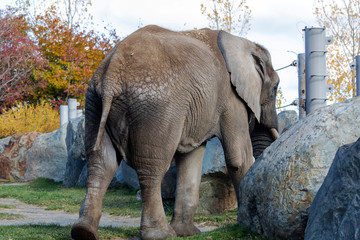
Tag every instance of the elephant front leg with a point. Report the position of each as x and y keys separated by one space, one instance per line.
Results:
x=238 y=158
x=102 y=166
x=187 y=191
x=236 y=142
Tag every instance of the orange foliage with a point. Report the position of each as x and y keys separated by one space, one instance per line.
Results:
x=19 y=56
x=341 y=18
x=73 y=55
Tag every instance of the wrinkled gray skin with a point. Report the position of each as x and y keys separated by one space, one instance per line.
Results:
x=161 y=94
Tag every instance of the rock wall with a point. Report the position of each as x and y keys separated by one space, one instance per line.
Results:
x=14 y=149
x=335 y=211
x=75 y=151
x=47 y=156
x=286 y=119
x=277 y=191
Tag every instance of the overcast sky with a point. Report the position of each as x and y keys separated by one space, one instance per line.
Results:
x=276 y=24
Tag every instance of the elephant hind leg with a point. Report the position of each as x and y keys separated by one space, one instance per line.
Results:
x=187 y=191
x=153 y=220
x=102 y=166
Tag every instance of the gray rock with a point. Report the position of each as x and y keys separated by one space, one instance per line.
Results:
x=3 y=144
x=82 y=177
x=216 y=194
x=129 y=175
x=286 y=119
x=118 y=179
x=335 y=211
x=76 y=151
x=213 y=160
x=168 y=184
x=277 y=191
x=47 y=156
x=13 y=158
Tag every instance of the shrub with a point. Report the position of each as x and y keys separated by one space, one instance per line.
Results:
x=29 y=118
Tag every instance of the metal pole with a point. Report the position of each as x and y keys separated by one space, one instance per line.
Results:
x=357 y=62
x=72 y=102
x=301 y=85
x=315 y=68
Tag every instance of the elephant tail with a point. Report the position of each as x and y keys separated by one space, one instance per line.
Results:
x=106 y=105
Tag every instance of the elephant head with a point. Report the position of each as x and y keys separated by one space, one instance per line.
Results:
x=255 y=83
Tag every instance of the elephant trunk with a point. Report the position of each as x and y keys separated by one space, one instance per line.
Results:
x=261 y=138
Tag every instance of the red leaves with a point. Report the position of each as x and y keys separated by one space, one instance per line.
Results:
x=19 y=56
x=47 y=58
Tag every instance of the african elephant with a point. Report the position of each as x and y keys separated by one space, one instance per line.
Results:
x=161 y=94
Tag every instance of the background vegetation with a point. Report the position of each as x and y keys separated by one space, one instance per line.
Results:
x=24 y=117
x=46 y=56
x=342 y=20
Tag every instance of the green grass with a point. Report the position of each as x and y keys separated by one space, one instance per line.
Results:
x=230 y=232
x=117 y=201
x=52 y=196
x=55 y=232
x=7 y=206
x=49 y=232
x=230 y=217
x=10 y=216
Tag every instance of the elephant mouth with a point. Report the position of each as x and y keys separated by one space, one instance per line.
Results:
x=261 y=138
x=274 y=133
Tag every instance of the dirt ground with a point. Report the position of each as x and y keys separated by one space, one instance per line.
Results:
x=38 y=215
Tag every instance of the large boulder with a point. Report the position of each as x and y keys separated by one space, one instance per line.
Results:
x=76 y=151
x=335 y=211
x=130 y=176
x=216 y=194
x=168 y=184
x=47 y=156
x=3 y=144
x=213 y=160
x=13 y=154
x=286 y=119
x=276 y=192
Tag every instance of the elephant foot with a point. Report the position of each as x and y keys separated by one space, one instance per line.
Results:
x=157 y=234
x=83 y=231
x=183 y=229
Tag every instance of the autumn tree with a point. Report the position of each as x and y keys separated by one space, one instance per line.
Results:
x=229 y=15
x=73 y=55
x=73 y=50
x=342 y=20
x=280 y=99
x=20 y=57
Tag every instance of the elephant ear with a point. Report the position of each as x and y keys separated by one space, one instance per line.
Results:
x=244 y=69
